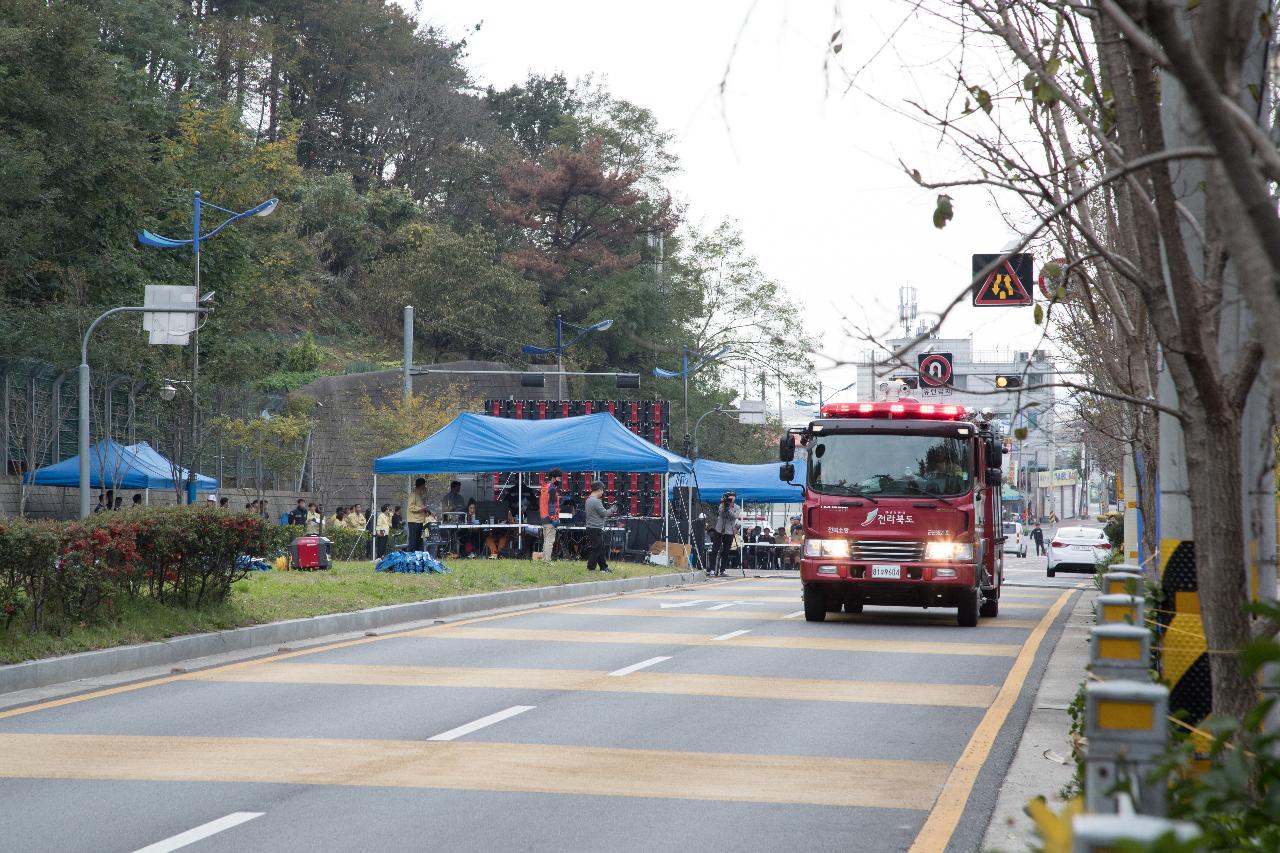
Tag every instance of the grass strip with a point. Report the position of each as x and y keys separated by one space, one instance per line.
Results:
x=275 y=596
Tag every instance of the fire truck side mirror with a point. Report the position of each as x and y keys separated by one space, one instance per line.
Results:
x=786 y=448
x=786 y=472
x=994 y=477
x=995 y=453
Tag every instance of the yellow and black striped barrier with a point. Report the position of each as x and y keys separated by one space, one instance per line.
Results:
x=1184 y=662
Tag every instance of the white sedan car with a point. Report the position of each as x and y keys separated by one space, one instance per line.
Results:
x=1015 y=539
x=1077 y=549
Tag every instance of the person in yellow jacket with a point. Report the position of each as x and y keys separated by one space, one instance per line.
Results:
x=418 y=513
x=313 y=519
x=381 y=530
x=339 y=520
x=356 y=519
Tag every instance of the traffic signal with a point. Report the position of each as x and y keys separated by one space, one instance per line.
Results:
x=1005 y=381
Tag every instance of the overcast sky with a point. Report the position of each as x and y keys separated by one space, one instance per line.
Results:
x=808 y=169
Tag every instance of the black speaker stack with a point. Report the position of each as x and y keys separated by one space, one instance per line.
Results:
x=637 y=495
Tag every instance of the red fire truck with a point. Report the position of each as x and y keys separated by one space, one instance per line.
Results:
x=902 y=507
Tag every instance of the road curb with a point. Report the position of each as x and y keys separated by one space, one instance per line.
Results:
x=104 y=662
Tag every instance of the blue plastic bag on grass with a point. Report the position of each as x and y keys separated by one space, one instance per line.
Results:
x=410 y=562
x=253 y=564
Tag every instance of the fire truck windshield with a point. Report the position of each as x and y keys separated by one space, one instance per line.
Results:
x=886 y=465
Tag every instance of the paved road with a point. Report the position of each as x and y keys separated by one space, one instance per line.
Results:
x=710 y=717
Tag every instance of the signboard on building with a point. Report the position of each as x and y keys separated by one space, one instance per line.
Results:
x=1061 y=477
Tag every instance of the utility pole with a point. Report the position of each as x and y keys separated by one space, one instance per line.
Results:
x=407 y=381
x=560 y=361
x=195 y=365
x=779 y=396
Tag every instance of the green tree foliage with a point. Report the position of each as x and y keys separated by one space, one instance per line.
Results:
x=468 y=303
x=538 y=114
x=76 y=156
x=739 y=308
x=400 y=180
x=274 y=443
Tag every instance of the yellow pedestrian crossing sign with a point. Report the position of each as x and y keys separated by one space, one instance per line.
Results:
x=1007 y=284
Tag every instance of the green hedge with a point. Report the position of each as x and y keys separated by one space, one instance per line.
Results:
x=75 y=571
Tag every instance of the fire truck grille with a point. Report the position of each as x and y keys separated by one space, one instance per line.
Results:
x=889 y=551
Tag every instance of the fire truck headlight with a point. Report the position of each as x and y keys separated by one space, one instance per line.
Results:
x=826 y=548
x=948 y=551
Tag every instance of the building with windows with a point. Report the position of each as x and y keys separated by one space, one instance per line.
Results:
x=1012 y=384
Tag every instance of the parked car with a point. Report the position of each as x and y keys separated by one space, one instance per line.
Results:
x=1015 y=538
x=1077 y=549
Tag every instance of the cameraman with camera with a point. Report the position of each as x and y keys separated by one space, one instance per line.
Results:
x=722 y=533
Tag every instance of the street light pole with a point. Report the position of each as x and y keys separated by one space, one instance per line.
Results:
x=698 y=424
x=157 y=241
x=84 y=393
x=683 y=373
x=561 y=346
x=559 y=359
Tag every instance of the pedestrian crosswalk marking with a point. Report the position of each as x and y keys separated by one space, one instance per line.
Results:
x=655 y=682
x=835 y=644
x=479 y=766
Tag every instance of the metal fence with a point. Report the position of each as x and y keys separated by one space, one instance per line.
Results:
x=38 y=420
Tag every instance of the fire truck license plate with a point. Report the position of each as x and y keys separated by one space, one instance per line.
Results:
x=886 y=571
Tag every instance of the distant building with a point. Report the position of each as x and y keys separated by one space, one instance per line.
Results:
x=972 y=381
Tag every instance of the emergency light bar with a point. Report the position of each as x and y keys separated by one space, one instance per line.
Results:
x=905 y=408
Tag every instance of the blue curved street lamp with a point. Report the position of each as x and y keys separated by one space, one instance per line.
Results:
x=561 y=346
x=821 y=399
x=157 y=241
x=683 y=373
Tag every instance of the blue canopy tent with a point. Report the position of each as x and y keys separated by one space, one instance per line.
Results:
x=165 y=470
x=472 y=442
x=116 y=466
x=751 y=483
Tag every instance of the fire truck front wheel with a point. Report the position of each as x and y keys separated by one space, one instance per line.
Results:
x=815 y=603
x=967 y=609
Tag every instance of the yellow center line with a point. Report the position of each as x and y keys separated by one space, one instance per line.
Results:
x=837 y=644
x=936 y=833
x=675 y=683
x=748 y=615
x=477 y=766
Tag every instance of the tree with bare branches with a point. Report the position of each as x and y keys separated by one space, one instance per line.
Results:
x=1136 y=140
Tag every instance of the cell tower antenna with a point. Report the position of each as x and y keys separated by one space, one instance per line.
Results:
x=907 y=309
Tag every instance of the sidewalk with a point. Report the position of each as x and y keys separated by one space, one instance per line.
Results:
x=1042 y=764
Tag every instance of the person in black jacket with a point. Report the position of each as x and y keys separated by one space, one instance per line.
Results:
x=1037 y=536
